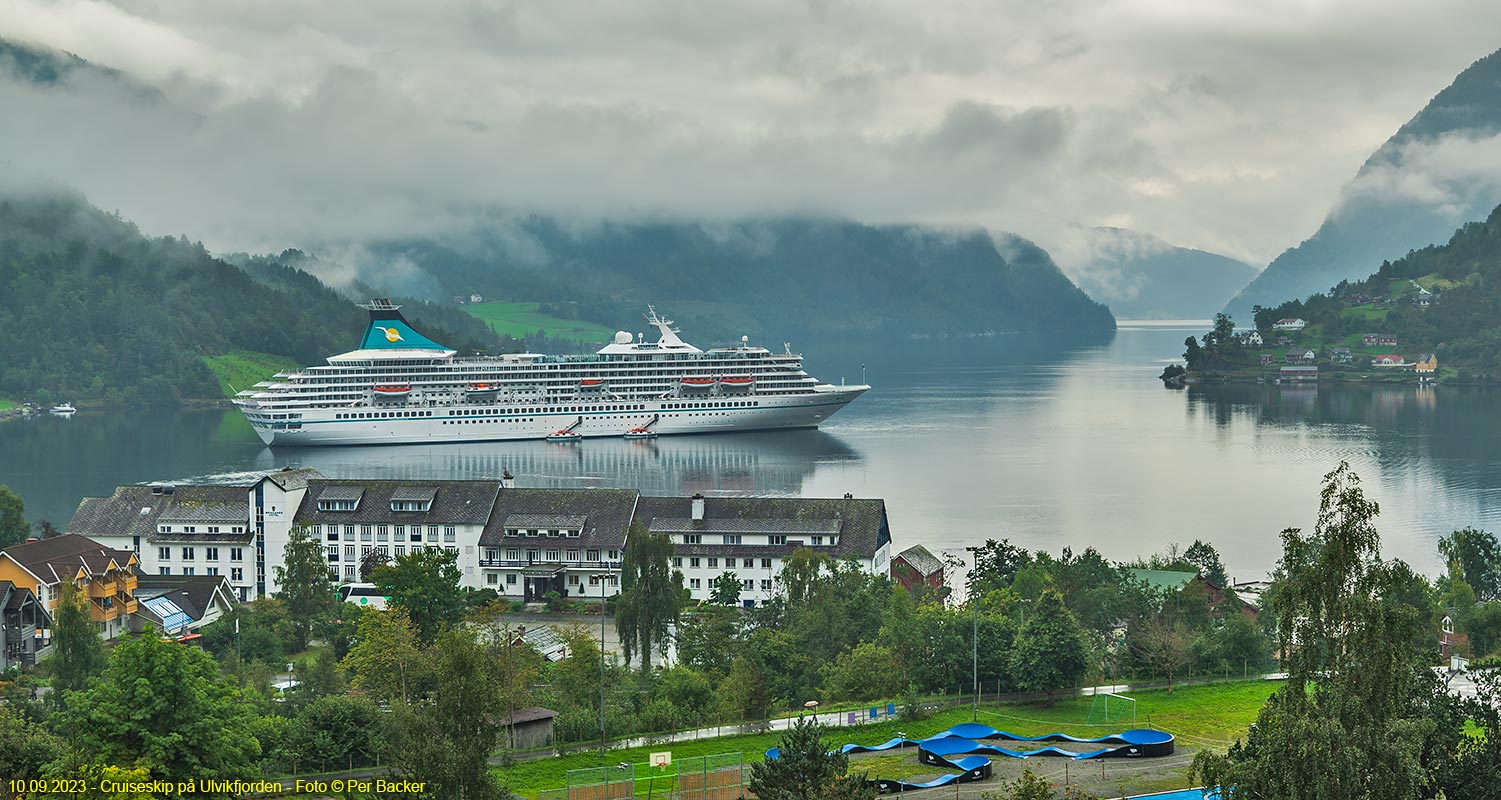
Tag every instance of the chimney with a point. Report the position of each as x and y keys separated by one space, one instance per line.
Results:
x=507 y=480
x=848 y=496
x=698 y=507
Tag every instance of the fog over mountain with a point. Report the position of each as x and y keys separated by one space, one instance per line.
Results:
x=1226 y=128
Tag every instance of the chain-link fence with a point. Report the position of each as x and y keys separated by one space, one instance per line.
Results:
x=719 y=777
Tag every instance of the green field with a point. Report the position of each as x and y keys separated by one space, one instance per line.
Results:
x=6 y=405
x=1212 y=716
x=520 y=320
x=242 y=369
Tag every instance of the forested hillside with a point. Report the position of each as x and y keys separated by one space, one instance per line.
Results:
x=1461 y=322
x=779 y=278
x=97 y=313
x=1429 y=177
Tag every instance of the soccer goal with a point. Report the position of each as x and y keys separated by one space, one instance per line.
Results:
x=1112 y=709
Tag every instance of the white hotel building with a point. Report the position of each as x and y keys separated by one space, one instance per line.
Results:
x=523 y=543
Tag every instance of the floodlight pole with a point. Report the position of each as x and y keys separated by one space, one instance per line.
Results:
x=974 y=638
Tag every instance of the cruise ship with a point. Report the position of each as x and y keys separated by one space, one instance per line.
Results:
x=400 y=387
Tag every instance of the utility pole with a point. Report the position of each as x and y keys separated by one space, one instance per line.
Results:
x=974 y=636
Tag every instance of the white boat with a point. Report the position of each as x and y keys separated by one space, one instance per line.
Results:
x=65 y=408
x=399 y=387
x=636 y=434
x=564 y=436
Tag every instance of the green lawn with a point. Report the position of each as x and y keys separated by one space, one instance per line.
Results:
x=523 y=319
x=6 y=405
x=242 y=369
x=1200 y=716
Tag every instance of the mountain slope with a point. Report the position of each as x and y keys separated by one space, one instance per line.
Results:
x=1460 y=321
x=763 y=278
x=1427 y=179
x=1142 y=277
x=95 y=312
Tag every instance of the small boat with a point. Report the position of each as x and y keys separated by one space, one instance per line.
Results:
x=393 y=390
x=482 y=389
x=699 y=383
x=640 y=433
x=591 y=383
x=563 y=436
x=65 y=408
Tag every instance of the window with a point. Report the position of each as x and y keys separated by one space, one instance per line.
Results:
x=164 y=554
x=693 y=562
x=513 y=555
x=401 y=550
x=187 y=570
x=411 y=505
x=337 y=505
x=432 y=533
x=348 y=533
x=766 y=586
x=573 y=580
x=187 y=554
x=348 y=552
x=450 y=533
x=398 y=533
x=164 y=570
x=693 y=538
x=364 y=551
x=591 y=555
x=533 y=555
x=492 y=554
x=365 y=533
x=510 y=579
x=164 y=529
x=349 y=572
x=778 y=539
x=571 y=534
x=732 y=538
x=236 y=574
x=713 y=563
x=817 y=540
x=695 y=583
x=677 y=561
x=190 y=529
x=236 y=554
x=491 y=578
x=333 y=552
x=212 y=570
x=573 y=555
x=530 y=531
x=333 y=532
x=745 y=585
x=765 y=563
x=210 y=554
x=416 y=533
x=554 y=555
x=213 y=529
x=451 y=549
x=614 y=555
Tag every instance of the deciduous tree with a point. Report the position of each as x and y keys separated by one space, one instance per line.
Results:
x=1049 y=653
x=446 y=739
x=1478 y=555
x=383 y=663
x=425 y=582
x=13 y=525
x=77 y=652
x=651 y=594
x=725 y=590
x=305 y=590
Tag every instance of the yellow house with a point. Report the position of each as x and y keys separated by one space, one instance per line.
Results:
x=1427 y=364
x=104 y=575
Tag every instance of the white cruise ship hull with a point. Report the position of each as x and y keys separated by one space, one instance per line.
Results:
x=485 y=422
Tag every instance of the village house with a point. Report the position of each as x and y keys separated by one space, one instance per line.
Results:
x=1427 y=364
x=25 y=626
x=1298 y=374
x=1299 y=355
x=1340 y=355
x=1422 y=298
x=1267 y=358
x=1389 y=360
x=917 y=566
x=1378 y=340
x=1253 y=339
x=182 y=605
x=105 y=577
x=1289 y=324
x=474 y=298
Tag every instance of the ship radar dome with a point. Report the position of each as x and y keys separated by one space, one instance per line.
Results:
x=745 y=340
x=622 y=337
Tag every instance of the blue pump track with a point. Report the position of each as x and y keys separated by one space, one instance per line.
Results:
x=961 y=748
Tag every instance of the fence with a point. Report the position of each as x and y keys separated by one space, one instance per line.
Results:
x=720 y=777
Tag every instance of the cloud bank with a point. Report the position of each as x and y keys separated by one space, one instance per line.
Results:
x=1220 y=125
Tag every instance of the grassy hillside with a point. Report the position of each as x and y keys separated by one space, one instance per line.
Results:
x=242 y=369
x=521 y=320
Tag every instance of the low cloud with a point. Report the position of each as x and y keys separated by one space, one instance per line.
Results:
x=281 y=124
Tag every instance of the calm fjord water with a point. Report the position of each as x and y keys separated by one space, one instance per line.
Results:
x=1045 y=443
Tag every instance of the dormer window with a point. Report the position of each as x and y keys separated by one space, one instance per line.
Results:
x=413 y=498
x=340 y=498
x=410 y=505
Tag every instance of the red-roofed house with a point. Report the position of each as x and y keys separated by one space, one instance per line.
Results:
x=1289 y=324
x=1389 y=361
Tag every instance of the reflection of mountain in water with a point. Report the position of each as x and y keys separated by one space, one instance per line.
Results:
x=775 y=463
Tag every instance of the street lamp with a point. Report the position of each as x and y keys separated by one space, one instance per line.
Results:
x=974 y=635
x=901 y=764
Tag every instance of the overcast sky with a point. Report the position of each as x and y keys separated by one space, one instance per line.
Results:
x=1228 y=126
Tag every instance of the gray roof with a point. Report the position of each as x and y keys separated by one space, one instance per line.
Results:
x=291 y=479
x=607 y=514
x=136 y=510
x=341 y=492
x=863 y=524
x=921 y=559
x=544 y=521
x=532 y=714
x=454 y=503
x=825 y=527
x=196 y=590
x=419 y=493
